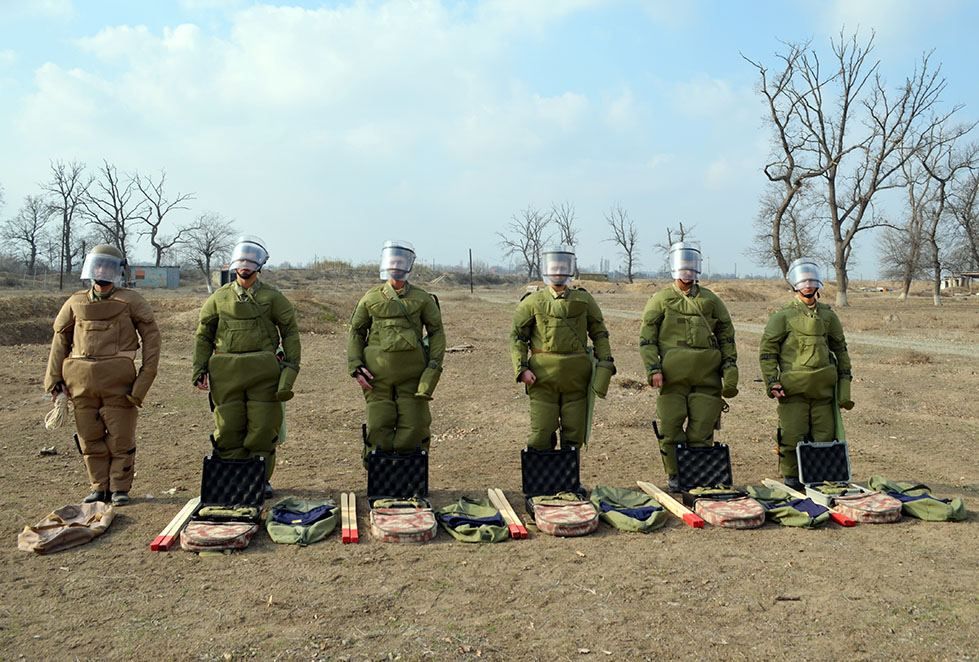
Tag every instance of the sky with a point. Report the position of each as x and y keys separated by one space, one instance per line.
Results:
x=327 y=127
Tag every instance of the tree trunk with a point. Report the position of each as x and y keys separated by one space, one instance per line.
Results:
x=842 y=280
x=905 y=289
x=936 y=282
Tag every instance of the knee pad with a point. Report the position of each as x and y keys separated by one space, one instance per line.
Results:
x=704 y=412
x=264 y=421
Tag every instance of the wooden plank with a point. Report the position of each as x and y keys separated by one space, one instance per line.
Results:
x=354 y=532
x=837 y=517
x=344 y=525
x=171 y=532
x=688 y=517
x=521 y=528
x=517 y=530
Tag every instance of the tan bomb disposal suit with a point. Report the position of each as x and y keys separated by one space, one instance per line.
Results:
x=96 y=338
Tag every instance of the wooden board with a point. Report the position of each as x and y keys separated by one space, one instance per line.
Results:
x=171 y=533
x=839 y=518
x=689 y=517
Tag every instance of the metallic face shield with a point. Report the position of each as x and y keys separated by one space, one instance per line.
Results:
x=558 y=267
x=397 y=260
x=684 y=259
x=804 y=270
x=248 y=254
x=103 y=268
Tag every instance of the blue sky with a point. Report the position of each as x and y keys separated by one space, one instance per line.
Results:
x=327 y=127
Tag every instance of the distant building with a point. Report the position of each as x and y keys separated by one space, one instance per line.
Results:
x=964 y=279
x=148 y=276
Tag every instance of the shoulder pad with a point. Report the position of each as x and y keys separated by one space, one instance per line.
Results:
x=525 y=295
x=438 y=304
x=581 y=289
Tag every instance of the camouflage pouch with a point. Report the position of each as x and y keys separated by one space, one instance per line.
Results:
x=917 y=501
x=628 y=510
x=564 y=514
x=402 y=520
x=470 y=520
x=783 y=508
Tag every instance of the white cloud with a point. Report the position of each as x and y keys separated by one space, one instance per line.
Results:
x=56 y=9
x=704 y=97
x=893 y=20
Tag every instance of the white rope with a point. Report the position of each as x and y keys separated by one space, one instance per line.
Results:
x=56 y=417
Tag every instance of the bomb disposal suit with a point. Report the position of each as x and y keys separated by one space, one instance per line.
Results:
x=240 y=330
x=395 y=351
x=687 y=348
x=803 y=360
x=551 y=356
x=96 y=337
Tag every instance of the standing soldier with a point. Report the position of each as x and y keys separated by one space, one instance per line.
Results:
x=687 y=347
x=92 y=360
x=804 y=362
x=396 y=365
x=242 y=327
x=554 y=325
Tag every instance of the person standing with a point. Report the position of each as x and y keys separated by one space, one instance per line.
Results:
x=395 y=351
x=687 y=346
x=551 y=357
x=97 y=335
x=805 y=365
x=242 y=327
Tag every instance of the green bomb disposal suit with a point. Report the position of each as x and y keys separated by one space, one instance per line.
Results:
x=386 y=338
x=689 y=338
x=804 y=350
x=553 y=328
x=239 y=332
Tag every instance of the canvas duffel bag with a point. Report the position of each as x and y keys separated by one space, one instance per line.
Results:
x=565 y=514
x=66 y=527
x=628 y=510
x=871 y=508
x=917 y=501
x=727 y=507
x=472 y=520
x=201 y=536
x=402 y=520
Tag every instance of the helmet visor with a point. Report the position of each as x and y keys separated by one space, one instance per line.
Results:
x=685 y=261
x=103 y=268
x=397 y=259
x=804 y=273
x=248 y=255
x=558 y=266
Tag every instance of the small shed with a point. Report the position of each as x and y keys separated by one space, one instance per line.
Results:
x=149 y=276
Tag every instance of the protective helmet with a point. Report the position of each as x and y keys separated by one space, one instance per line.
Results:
x=685 y=261
x=397 y=259
x=104 y=264
x=803 y=273
x=249 y=253
x=558 y=265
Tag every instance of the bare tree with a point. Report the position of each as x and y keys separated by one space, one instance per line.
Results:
x=26 y=230
x=625 y=236
x=797 y=224
x=943 y=160
x=824 y=113
x=158 y=205
x=780 y=205
x=208 y=241
x=563 y=216
x=67 y=187
x=902 y=248
x=111 y=206
x=526 y=238
x=965 y=209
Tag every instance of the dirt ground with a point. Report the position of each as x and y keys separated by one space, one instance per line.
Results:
x=908 y=590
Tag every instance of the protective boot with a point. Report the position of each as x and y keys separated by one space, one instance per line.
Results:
x=98 y=495
x=120 y=498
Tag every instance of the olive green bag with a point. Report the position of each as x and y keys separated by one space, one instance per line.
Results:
x=301 y=534
x=917 y=501
x=628 y=510
x=780 y=507
x=471 y=520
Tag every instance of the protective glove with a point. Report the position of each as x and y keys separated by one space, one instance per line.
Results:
x=603 y=377
x=364 y=378
x=843 y=394
x=428 y=381
x=729 y=387
x=286 y=379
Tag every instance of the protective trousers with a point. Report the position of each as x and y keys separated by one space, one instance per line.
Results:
x=396 y=419
x=558 y=399
x=105 y=420
x=247 y=416
x=801 y=418
x=698 y=406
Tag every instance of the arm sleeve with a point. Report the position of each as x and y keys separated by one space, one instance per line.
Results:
x=770 y=346
x=64 y=330
x=724 y=331
x=598 y=332
x=837 y=345
x=207 y=327
x=360 y=324
x=523 y=325
x=284 y=318
x=149 y=336
x=652 y=317
x=432 y=319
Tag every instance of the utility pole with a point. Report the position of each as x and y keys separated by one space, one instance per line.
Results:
x=470 y=271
